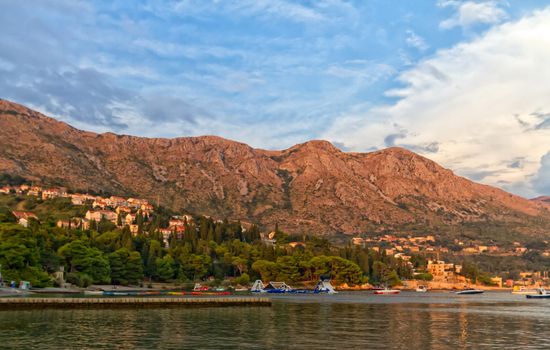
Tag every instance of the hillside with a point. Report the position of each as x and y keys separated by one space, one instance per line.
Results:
x=312 y=187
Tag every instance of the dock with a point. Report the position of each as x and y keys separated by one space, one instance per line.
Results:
x=129 y=302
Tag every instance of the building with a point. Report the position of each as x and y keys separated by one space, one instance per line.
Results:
x=5 y=190
x=98 y=215
x=134 y=229
x=53 y=193
x=24 y=217
x=129 y=219
x=34 y=191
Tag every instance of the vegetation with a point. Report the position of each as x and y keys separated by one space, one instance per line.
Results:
x=207 y=249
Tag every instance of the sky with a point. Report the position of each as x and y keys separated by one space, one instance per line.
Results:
x=464 y=83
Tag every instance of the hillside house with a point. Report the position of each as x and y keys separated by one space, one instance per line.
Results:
x=5 y=190
x=51 y=193
x=97 y=215
x=24 y=217
x=34 y=191
x=129 y=219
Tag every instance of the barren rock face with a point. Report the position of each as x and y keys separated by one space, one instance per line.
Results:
x=311 y=187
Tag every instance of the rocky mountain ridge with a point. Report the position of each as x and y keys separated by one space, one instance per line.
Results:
x=311 y=187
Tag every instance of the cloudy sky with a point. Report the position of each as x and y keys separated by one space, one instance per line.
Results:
x=465 y=83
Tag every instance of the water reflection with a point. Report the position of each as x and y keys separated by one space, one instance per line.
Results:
x=351 y=322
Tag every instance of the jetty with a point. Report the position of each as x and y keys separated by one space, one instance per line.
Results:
x=145 y=302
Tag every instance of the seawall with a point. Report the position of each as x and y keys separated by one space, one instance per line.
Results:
x=26 y=303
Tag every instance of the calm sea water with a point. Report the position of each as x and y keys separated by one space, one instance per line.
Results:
x=343 y=321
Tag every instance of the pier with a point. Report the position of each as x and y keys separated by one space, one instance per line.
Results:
x=26 y=303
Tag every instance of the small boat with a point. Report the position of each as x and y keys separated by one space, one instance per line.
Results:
x=324 y=286
x=93 y=292
x=241 y=289
x=200 y=288
x=524 y=291
x=541 y=294
x=421 y=289
x=468 y=291
x=386 y=291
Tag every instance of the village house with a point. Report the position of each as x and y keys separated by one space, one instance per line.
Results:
x=123 y=209
x=520 y=250
x=53 y=193
x=115 y=201
x=24 y=217
x=100 y=203
x=73 y=223
x=79 y=199
x=97 y=215
x=296 y=244
x=5 y=190
x=24 y=187
x=134 y=229
x=442 y=271
x=34 y=191
x=130 y=219
x=358 y=241
x=147 y=208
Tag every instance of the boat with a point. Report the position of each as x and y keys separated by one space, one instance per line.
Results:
x=468 y=291
x=541 y=294
x=421 y=289
x=324 y=286
x=524 y=291
x=200 y=288
x=386 y=291
x=93 y=292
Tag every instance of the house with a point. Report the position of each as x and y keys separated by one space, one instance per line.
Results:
x=123 y=209
x=24 y=217
x=147 y=208
x=130 y=219
x=24 y=188
x=53 y=193
x=34 y=191
x=5 y=190
x=358 y=241
x=134 y=229
x=497 y=280
x=441 y=270
x=176 y=223
x=79 y=199
x=100 y=203
x=520 y=250
x=97 y=215
x=470 y=250
x=482 y=248
x=115 y=201
x=296 y=244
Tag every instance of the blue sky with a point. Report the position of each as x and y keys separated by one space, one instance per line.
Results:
x=362 y=74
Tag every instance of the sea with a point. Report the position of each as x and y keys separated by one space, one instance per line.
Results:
x=347 y=320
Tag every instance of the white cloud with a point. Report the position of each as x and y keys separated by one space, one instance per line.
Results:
x=470 y=13
x=480 y=108
x=416 y=41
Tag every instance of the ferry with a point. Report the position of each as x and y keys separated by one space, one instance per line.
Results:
x=541 y=294
x=386 y=291
x=468 y=291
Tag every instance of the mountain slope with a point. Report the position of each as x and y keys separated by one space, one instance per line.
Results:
x=311 y=187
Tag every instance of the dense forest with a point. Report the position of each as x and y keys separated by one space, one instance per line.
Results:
x=208 y=249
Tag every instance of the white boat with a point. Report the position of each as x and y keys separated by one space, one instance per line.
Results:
x=324 y=286
x=387 y=291
x=93 y=292
x=541 y=294
x=524 y=291
x=468 y=291
x=421 y=289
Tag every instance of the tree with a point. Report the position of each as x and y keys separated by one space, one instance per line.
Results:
x=165 y=268
x=134 y=268
x=82 y=258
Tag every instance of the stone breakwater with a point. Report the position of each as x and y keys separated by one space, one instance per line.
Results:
x=25 y=303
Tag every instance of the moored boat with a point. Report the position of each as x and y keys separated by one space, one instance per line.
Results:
x=541 y=294
x=468 y=291
x=386 y=291
x=421 y=289
x=524 y=291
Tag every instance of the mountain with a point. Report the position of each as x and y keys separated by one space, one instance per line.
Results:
x=542 y=199
x=312 y=187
